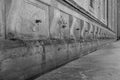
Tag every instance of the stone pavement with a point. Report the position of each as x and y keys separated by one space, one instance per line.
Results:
x=103 y=64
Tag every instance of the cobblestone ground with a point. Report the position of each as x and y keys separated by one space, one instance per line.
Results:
x=103 y=64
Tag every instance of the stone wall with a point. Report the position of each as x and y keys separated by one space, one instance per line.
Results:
x=42 y=35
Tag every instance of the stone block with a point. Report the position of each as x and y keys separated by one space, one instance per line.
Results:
x=28 y=20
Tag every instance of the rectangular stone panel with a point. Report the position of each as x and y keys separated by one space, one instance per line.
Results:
x=73 y=51
x=56 y=55
x=75 y=28
x=59 y=24
x=28 y=20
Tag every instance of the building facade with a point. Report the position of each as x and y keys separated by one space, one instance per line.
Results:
x=40 y=35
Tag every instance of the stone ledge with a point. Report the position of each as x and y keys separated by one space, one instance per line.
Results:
x=8 y=44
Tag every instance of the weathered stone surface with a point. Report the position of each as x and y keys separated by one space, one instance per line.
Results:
x=27 y=20
x=37 y=46
x=33 y=58
x=103 y=64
